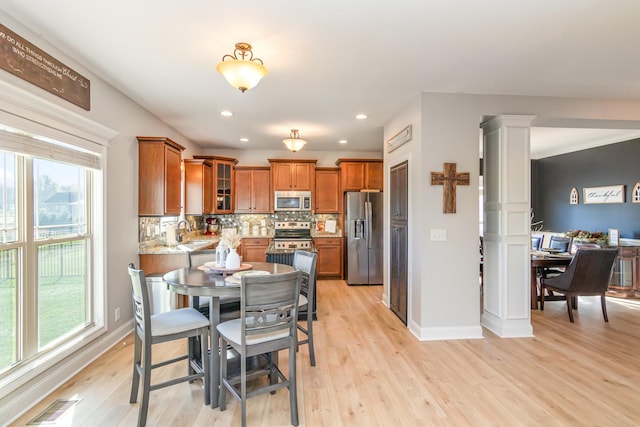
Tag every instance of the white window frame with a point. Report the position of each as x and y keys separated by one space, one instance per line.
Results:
x=21 y=109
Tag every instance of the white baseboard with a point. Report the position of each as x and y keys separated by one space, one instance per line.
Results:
x=25 y=397
x=446 y=333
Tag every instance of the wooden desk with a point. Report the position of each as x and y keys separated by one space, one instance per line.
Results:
x=198 y=283
x=543 y=261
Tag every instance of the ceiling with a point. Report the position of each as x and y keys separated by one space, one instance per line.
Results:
x=330 y=60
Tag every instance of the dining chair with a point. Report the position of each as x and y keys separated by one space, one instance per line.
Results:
x=267 y=324
x=559 y=243
x=587 y=274
x=306 y=263
x=158 y=328
x=536 y=242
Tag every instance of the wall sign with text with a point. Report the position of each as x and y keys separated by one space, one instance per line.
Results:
x=32 y=64
x=609 y=194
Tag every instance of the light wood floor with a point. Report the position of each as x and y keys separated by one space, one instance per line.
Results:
x=372 y=372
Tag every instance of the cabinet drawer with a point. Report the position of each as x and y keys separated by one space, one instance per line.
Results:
x=256 y=242
x=327 y=241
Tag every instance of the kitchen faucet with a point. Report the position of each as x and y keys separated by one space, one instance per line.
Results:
x=179 y=239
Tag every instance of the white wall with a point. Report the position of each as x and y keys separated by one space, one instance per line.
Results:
x=116 y=111
x=410 y=152
x=448 y=271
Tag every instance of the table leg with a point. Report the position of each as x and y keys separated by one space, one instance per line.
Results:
x=534 y=288
x=214 y=350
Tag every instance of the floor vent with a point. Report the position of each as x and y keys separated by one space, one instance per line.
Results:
x=53 y=412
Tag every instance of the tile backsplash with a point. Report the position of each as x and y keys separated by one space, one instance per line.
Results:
x=155 y=228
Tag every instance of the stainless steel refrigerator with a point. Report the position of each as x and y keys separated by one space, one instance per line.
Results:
x=364 y=238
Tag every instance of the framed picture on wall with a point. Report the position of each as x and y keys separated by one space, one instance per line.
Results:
x=608 y=194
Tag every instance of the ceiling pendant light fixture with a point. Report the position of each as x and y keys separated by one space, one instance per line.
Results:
x=294 y=143
x=241 y=69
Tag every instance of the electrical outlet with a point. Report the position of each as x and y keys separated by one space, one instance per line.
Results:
x=117 y=314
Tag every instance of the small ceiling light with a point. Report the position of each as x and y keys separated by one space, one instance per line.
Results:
x=294 y=143
x=241 y=69
x=361 y=116
x=226 y=113
x=343 y=141
x=244 y=139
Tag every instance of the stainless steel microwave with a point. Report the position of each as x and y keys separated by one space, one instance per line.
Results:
x=292 y=201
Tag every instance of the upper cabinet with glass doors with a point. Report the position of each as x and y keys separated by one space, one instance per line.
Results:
x=223 y=182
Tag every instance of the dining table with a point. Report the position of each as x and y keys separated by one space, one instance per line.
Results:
x=200 y=281
x=541 y=259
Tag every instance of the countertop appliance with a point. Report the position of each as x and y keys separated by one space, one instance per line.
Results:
x=211 y=226
x=364 y=238
x=292 y=201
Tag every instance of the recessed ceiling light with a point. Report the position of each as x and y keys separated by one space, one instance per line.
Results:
x=244 y=139
x=361 y=116
x=226 y=113
x=343 y=141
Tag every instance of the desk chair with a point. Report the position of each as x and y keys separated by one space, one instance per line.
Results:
x=588 y=274
x=267 y=324
x=158 y=328
x=306 y=263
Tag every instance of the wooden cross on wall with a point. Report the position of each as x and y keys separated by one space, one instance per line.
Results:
x=449 y=179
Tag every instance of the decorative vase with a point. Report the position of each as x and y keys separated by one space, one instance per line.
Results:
x=221 y=255
x=233 y=259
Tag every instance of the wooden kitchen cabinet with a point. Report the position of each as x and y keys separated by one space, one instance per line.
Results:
x=252 y=190
x=330 y=255
x=287 y=175
x=198 y=182
x=361 y=174
x=159 y=176
x=253 y=249
x=327 y=195
x=223 y=183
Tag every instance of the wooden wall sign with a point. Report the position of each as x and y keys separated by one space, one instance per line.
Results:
x=608 y=194
x=27 y=61
x=449 y=179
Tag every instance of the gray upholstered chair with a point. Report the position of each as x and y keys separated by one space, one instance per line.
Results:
x=306 y=263
x=563 y=244
x=158 y=328
x=536 y=242
x=558 y=243
x=587 y=274
x=267 y=324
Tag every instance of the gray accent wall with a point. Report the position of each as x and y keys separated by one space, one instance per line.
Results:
x=552 y=179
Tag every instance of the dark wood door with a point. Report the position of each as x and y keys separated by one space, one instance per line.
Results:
x=398 y=289
x=398 y=181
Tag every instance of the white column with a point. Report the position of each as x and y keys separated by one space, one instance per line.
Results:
x=507 y=188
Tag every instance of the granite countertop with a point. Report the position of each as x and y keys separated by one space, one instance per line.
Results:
x=192 y=242
x=315 y=234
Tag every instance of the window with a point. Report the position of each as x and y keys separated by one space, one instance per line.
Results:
x=47 y=284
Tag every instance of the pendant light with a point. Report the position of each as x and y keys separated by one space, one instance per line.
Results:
x=294 y=143
x=241 y=69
